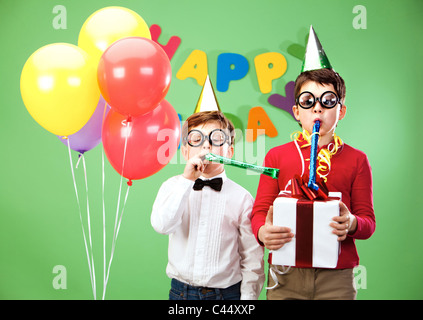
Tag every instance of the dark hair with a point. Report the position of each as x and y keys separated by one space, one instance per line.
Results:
x=208 y=116
x=322 y=76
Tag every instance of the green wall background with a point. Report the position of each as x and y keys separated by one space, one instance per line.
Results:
x=382 y=67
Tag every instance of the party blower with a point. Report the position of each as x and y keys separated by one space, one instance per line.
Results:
x=313 y=156
x=271 y=172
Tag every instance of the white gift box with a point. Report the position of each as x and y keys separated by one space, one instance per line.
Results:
x=314 y=244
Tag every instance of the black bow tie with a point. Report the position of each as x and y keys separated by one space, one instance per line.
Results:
x=215 y=184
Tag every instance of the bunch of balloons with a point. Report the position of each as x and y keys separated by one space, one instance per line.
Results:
x=109 y=88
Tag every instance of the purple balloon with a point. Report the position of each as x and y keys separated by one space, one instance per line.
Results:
x=90 y=134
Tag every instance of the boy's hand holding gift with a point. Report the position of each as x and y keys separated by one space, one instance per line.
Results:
x=274 y=237
x=345 y=223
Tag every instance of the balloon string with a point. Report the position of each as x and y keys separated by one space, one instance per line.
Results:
x=104 y=220
x=104 y=205
x=80 y=218
x=79 y=159
x=114 y=242
x=89 y=226
x=117 y=220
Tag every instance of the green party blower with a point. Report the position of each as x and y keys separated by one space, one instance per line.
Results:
x=271 y=172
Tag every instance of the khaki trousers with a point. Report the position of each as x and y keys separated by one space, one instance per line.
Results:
x=313 y=284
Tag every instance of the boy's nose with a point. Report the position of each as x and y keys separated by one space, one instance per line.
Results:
x=206 y=144
x=317 y=107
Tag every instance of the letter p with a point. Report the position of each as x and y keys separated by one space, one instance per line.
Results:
x=269 y=66
x=230 y=66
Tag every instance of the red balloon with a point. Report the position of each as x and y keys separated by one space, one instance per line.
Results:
x=153 y=140
x=134 y=75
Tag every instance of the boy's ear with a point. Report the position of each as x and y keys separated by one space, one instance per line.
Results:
x=230 y=152
x=184 y=150
x=296 y=112
x=342 y=111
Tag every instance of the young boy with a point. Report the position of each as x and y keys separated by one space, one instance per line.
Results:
x=212 y=251
x=320 y=95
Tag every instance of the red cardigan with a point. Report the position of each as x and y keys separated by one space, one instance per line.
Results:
x=350 y=174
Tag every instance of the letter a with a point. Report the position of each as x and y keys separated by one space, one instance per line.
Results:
x=360 y=21
x=59 y=21
x=59 y=281
x=258 y=119
x=195 y=66
x=360 y=277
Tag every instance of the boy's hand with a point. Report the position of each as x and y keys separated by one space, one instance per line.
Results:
x=195 y=166
x=274 y=237
x=344 y=223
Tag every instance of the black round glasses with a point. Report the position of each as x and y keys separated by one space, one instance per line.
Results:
x=217 y=137
x=307 y=100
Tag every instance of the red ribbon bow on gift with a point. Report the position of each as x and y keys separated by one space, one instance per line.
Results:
x=299 y=189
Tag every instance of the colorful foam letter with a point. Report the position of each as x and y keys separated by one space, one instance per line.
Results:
x=230 y=66
x=172 y=44
x=258 y=119
x=284 y=103
x=269 y=66
x=195 y=66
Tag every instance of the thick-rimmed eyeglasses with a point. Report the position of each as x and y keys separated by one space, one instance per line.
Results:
x=217 y=137
x=307 y=100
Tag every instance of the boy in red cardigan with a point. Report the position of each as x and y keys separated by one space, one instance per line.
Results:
x=320 y=95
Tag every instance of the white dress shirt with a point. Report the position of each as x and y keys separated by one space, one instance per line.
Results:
x=211 y=243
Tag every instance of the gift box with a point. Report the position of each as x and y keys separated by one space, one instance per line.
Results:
x=308 y=214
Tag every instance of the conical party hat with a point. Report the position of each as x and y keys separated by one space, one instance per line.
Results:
x=207 y=100
x=315 y=57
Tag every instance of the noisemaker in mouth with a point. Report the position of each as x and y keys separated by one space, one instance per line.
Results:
x=313 y=156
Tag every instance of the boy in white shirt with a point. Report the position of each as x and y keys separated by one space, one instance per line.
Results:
x=212 y=252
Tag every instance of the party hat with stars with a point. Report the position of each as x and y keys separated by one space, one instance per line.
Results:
x=207 y=100
x=315 y=57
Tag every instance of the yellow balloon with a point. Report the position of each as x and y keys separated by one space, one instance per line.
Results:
x=108 y=25
x=59 y=87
